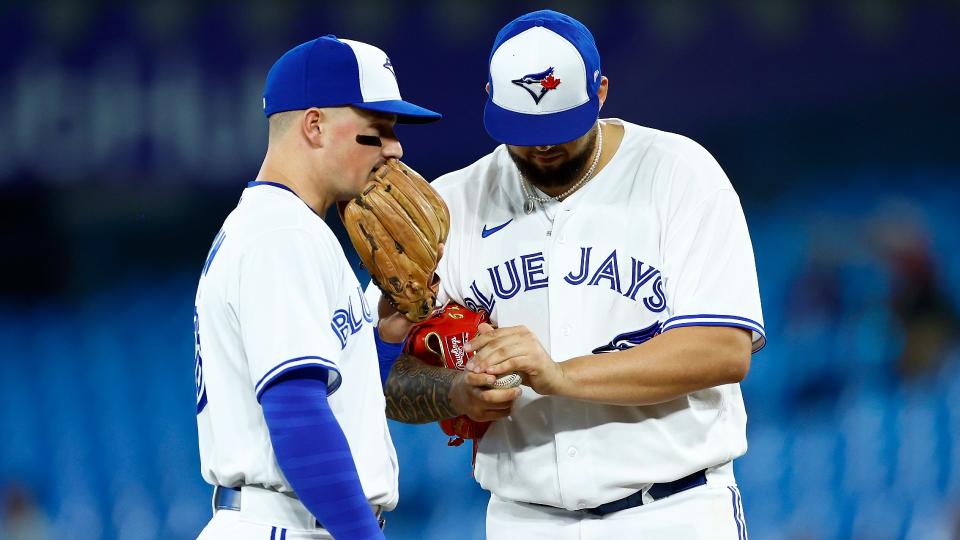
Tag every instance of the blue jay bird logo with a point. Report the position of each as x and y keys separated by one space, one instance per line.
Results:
x=538 y=84
x=389 y=66
x=627 y=340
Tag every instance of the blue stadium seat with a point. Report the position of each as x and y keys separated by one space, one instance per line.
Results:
x=929 y=518
x=918 y=469
x=816 y=510
x=878 y=517
x=866 y=425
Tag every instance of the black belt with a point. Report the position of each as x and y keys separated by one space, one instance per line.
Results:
x=228 y=498
x=656 y=492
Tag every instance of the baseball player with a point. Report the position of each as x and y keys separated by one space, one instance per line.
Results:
x=290 y=407
x=615 y=262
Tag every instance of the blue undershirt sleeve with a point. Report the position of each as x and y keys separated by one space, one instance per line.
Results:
x=314 y=456
x=387 y=354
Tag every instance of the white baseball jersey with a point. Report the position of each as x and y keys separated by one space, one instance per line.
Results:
x=276 y=293
x=656 y=241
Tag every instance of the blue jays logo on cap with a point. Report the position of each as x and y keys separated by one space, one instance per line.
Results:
x=389 y=66
x=538 y=84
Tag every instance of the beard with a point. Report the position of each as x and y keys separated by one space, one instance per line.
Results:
x=563 y=174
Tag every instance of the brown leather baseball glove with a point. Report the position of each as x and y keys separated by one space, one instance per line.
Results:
x=397 y=225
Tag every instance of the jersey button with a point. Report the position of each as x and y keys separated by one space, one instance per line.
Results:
x=566 y=330
x=572 y=452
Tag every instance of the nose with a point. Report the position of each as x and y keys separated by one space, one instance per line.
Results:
x=544 y=148
x=391 y=148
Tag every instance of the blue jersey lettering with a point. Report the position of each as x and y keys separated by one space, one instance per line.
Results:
x=198 y=364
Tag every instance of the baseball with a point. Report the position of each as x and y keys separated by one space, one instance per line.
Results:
x=511 y=380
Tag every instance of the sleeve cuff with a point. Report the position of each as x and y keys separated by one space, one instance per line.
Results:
x=756 y=329
x=333 y=373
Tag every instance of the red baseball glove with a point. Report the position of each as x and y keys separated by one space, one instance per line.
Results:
x=439 y=341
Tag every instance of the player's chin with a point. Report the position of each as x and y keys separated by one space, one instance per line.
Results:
x=351 y=193
x=548 y=162
x=548 y=171
x=359 y=184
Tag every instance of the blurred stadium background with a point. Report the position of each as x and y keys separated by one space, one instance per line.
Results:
x=130 y=129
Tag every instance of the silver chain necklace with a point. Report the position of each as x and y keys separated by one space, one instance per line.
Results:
x=531 y=199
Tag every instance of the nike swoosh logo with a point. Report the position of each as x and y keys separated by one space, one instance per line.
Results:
x=487 y=232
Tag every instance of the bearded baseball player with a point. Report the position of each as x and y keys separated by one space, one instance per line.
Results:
x=615 y=263
x=290 y=405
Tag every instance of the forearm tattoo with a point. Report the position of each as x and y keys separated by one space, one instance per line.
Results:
x=418 y=393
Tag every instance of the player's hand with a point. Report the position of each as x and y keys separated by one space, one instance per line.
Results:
x=393 y=326
x=514 y=349
x=470 y=394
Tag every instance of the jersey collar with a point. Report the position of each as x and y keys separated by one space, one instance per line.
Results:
x=256 y=183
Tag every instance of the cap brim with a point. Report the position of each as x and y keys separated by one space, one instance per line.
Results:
x=521 y=129
x=407 y=113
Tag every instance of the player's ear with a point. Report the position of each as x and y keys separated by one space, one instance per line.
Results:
x=312 y=126
x=602 y=91
x=487 y=88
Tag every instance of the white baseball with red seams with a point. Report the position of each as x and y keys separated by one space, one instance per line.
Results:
x=511 y=380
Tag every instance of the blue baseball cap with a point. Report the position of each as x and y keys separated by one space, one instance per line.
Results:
x=331 y=72
x=544 y=76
